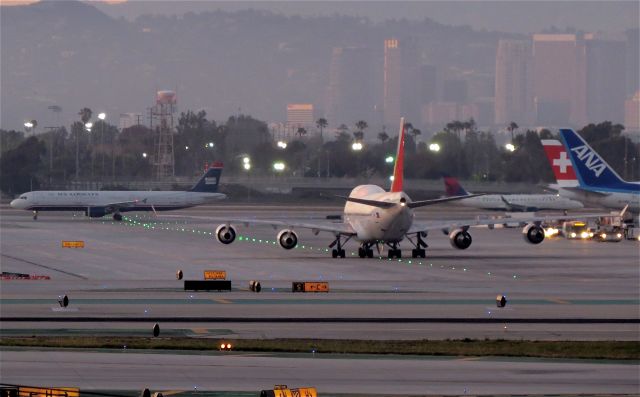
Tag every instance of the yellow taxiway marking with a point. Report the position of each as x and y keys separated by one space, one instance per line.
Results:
x=560 y=301
x=200 y=331
x=219 y=300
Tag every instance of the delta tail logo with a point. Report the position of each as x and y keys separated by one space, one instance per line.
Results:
x=590 y=159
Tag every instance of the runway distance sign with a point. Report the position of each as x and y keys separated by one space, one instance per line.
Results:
x=48 y=392
x=285 y=392
x=215 y=275
x=72 y=244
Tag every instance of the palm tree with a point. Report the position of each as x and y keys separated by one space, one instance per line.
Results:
x=361 y=126
x=301 y=131
x=415 y=132
x=342 y=129
x=383 y=136
x=322 y=123
x=512 y=127
x=85 y=115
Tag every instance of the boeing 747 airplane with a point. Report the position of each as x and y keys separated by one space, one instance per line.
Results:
x=96 y=204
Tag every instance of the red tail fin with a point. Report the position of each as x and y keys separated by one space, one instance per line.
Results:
x=560 y=162
x=398 y=169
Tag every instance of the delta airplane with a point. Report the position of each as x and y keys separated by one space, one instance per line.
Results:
x=375 y=217
x=583 y=175
x=509 y=202
x=96 y=204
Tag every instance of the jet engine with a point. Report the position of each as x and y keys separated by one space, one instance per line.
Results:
x=460 y=239
x=288 y=239
x=533 y=234
x=226 y=234
x=96 y=212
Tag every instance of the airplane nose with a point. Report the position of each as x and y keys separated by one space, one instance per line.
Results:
x=14 y=203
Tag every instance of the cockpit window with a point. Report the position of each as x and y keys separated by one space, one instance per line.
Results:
x=23 y=197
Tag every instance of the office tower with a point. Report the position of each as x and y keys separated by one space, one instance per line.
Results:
x=300 y=115
x=401 y=81
x=513 y=91
x=605 y=79
x=350 y=95
x=559 y=79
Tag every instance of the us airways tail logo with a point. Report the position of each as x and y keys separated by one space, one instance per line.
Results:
x=590 y=159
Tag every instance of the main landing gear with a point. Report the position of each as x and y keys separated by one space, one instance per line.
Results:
x=338 y=251
x=365 y=250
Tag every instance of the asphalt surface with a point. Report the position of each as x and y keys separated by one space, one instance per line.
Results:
x=124 y=280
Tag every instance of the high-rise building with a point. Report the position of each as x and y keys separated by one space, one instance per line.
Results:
x=428 y=84
x=513 y=91
x=300 y=115
x=605 y=79
x=632 y=113
x=401 y=81
x=559 y=79
x=350 y=95
x=633 y=61
x=455 y=91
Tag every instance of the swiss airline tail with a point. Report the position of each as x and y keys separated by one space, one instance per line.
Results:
x=398 y=169
x=560 y=162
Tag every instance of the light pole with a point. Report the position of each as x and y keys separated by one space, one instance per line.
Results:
x=246 y=164
x=88 y=126
x=102 y=116
x=510 y=147
x=434 y=147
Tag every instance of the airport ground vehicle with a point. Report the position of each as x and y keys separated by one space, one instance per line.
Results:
x=576 y=230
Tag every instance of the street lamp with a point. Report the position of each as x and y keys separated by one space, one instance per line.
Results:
x=278 y=166
x=144 y=155
x=356 y=146
x=186 y=148
x=282 y=144
x=434 y=147
x=88 y=125
x=102 y=116
x=510 y=147
x=208 y=145
x=389 y=160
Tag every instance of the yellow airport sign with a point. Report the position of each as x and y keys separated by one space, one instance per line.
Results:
x=72 y=244
x=215 y=275
x=48 y=392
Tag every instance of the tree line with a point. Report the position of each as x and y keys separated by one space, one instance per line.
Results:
x=104 y=154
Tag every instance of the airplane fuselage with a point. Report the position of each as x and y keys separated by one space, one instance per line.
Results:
x=139 y=200
x=372 y=223
x=527 y=201
x=612 y=200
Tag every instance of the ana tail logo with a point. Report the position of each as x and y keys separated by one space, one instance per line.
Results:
x=590 y=159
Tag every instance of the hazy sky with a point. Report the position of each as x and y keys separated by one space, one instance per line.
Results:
x=506 y=16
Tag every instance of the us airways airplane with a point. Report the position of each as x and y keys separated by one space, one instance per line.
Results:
x=374 y=217
x=100 y=203
x=583 y=175
x=509 y=202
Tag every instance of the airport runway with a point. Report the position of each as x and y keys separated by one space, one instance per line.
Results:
x=373 y=375
x=124 y=280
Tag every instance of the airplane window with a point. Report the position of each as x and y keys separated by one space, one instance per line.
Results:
x=23 y=197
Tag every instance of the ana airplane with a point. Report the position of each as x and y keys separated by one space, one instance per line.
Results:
x=100 y=203
x=373 y=216
x=509 y=202
x=583 y=175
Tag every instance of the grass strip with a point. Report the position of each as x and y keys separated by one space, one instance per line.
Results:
x=611 y=350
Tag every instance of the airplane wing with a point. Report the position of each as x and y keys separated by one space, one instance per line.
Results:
x=511 y=206
x=586 y=191
x=330 y=227
x=447 y=225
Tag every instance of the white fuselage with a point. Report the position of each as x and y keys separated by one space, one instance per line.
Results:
x=133 y=200
x=530 y=201
x=611 y=200
x=373 y=224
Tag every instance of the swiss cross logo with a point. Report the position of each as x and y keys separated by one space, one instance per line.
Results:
x=562 y=162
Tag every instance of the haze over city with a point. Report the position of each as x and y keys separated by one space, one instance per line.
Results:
x=256 y=58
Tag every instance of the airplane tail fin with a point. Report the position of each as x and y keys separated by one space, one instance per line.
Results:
x=453 y=187
x=398 y=169
x=560 y=163
x=209 y=182
x=591 y=169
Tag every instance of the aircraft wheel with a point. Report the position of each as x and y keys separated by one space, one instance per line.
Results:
x=362 y=253
x=334 y=253
x=117 y=217
x=418 y=253
x=369 y=253
x=342 y=253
